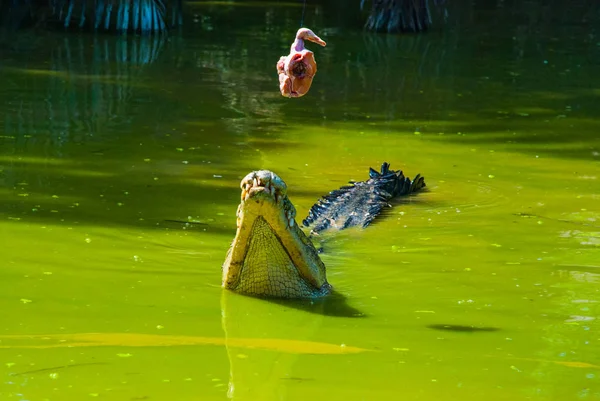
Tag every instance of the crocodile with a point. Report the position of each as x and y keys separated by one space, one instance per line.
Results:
x=271 y=256
x=359 y=203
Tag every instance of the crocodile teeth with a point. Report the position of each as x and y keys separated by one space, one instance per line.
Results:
x=255 y=181
x=290 y=214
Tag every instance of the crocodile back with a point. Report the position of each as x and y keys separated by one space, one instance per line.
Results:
x=359 y=203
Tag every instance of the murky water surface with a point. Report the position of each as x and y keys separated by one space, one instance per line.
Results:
x=120 y=162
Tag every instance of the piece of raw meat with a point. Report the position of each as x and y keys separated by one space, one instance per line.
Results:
x=297 y=70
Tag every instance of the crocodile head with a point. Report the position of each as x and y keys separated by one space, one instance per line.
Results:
x=270 y=255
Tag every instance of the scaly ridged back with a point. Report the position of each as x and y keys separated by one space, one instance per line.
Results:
x=359 y=203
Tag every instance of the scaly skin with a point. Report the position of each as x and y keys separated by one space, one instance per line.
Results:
x=270 y=255
x=361 y=202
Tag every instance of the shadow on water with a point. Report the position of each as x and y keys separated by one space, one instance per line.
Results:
x=462 y=329
x=332 y=305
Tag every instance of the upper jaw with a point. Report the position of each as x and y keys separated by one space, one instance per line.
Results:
x=264 y=195
x=267 y=190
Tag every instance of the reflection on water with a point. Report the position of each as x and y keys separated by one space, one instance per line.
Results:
x=254 y=373
x=85 y=84
x=482 y=288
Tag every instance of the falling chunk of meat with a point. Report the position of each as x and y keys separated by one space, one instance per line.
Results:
x=297 y=70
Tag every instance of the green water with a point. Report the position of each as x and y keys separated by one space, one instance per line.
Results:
x=483 y=287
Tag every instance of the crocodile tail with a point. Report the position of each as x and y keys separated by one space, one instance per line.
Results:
x=385 y=170
x=417 y=184
x=406 y=186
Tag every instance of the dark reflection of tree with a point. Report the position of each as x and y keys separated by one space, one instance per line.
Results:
x=140 y=16
x=395 y=74
x=398 y=15
x=87 y=84
x=145 y=16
